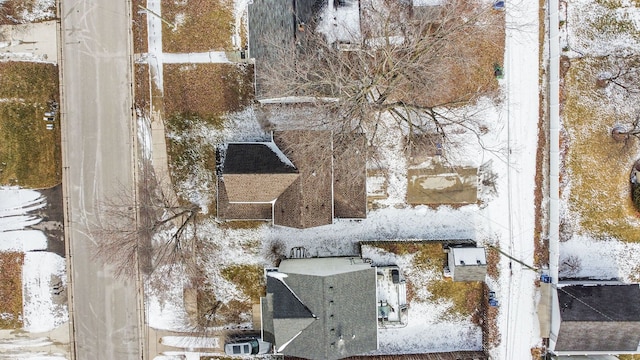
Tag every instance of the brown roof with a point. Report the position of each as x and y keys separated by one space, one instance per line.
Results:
x=308 y=202
x=256 y=172
x=350 y=176
x=257 y=188
x=240 y=211
x=329 y=181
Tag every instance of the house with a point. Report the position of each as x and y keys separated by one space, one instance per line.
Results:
x=275 y=26
x=278 y=32
x=467 y=263
x=595 y=319
x=321 y=308
x=292 y=183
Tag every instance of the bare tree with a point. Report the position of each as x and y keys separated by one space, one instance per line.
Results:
x=570 y=266
x=419 y=65
x=622 y=73
x=158 y=231
x=625 y=131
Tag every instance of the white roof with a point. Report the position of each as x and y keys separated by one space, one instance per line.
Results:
x=323 y=266
x=469 y=255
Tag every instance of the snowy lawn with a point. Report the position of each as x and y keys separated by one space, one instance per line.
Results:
x=43 y=277
x=33 y=280
x=598 y=220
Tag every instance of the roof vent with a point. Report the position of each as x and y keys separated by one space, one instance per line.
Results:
x=479 y=262
x=461 y=262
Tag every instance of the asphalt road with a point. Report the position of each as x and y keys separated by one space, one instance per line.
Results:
x=97 y=158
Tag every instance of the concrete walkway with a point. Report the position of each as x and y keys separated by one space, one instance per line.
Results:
x=219 y=57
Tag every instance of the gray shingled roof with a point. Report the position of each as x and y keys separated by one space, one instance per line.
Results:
x=599 y=303
x=599 y=318
x=342 y=296
x=273 y=26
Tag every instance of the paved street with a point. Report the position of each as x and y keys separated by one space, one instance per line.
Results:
x=98 y=156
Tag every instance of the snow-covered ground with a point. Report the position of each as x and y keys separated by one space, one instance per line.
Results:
x=595 y=30
x=41 y=268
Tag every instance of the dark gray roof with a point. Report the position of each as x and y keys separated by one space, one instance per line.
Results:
x=344 y=305
x=598 y=318
x=288 y=305
x=599 y=303
x=273 y=27
x=255 y=158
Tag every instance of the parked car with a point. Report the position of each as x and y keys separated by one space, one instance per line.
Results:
x=247 y=346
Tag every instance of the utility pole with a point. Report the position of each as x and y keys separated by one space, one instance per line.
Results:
x=512 y=258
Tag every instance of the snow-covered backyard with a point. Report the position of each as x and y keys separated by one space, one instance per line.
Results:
x=506 y=218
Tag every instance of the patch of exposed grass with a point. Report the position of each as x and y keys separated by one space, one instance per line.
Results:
x=139 y=27
x=202 y=25
x=213 y=312
x=597 y=165
x=241 y=224
x=30 y=155
x=490 y=330
x=493 y=261
x=629 y=357
x=466 y=296
x=248 y=278
x=11 y=289
x=141 y=89
x=611 y=24
x=427 y=256
x=615 y=4
x=634 y=274
x=189 y=152
x=208 y=90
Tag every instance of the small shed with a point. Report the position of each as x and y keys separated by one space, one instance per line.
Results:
x=467 y=263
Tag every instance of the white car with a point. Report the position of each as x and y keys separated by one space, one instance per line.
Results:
x=249 y=346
